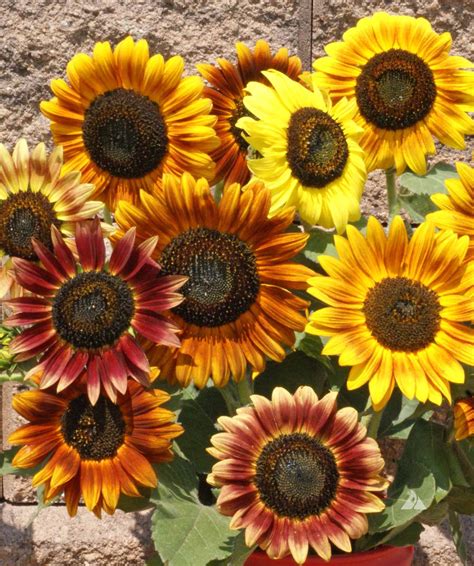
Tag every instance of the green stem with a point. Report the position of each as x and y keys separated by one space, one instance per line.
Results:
x=107 y=216
x=237 y=395
x=374 y=423
x=392 y=195
x=230 y=400
x=245 y=389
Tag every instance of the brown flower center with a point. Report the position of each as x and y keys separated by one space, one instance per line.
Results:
x=317 y=148
x=222 y=269
x=23 y=216
x=402 y=314
x=125 y=134
x=95 y=431
x=395 y=89
x=93 y=309
x=296 y=476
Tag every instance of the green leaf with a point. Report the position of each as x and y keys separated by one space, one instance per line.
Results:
x=319 y=243
x=417 y=206
x=458 y=538
x=198 y=415
x=239 y=552
x=6 y=458
x=400 y=415
x=295 y=370
x=422 y=478
x=133 y=504
x=461 y=500
x=431 y=183
x=185 y=531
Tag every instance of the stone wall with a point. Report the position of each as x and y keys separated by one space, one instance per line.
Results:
x=37 y=39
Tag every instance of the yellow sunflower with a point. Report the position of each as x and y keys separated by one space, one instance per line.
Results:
x=464 y=418
x=310 y=155
x=406 y=85
x=457 y=208
x=35 y=195
x=296 y=473
x=226 y=90
x=397 y=310
x=237 y=308
x=97 y=451
x=125 y=118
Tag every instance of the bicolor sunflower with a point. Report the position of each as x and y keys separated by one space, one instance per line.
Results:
x=295 y=473
x=89 y=314
x=457 y=207
x=96 y=451
x=35 y=195
x=406 y=85
x=311 y=158
x=238 y=309
x=464 y=418
x=397 y=309
x=227 y=88
x=125 y=118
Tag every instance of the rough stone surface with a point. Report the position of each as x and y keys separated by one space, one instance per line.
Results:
x=37 y=39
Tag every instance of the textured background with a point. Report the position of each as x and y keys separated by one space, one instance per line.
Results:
x=37 y=39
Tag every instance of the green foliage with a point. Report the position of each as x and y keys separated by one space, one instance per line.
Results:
x=185 y=531
x=431 y=183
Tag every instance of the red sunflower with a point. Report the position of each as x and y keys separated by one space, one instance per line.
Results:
x=295 y=472
x=82 y=315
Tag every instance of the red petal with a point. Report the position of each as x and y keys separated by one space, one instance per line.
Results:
x=34 y=278
x=156 y=328
x=32 y=338
x=54 y=366
x=90 y=247
x=115 y=367
x=93 y=380
x=138 y=258
x=121 y=253
x=134 y=353
x=63 y=253
x=74 y=367
x=49 y=261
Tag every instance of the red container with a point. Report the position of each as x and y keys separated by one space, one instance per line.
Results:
x=383 y=556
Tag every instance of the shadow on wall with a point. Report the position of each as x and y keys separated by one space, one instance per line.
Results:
x=16 y=545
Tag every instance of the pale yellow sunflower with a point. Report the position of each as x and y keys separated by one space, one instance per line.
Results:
x=311 y=158
x=406 y=85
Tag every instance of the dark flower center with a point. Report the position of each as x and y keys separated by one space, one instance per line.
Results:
x=395 y=89
x=125 y=134
x=317 y=148
x=402 y=314
x=239 y=112
x=23 y=216
x=93 y=309
x=296 y=476
x=95 y=431
x=222 y=269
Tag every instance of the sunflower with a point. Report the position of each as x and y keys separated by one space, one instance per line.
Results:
x=98 y=451
x=34 y=196
x=295 y=472
x=126 y=118
x=237 y=308
x=228 y=83
x=82 y=315
x=311 y=157
x=406 y=85
x=397 y=309
x=457 y=207
x=464 y=418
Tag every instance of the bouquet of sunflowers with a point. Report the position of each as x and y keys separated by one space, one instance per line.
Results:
x=208 y=326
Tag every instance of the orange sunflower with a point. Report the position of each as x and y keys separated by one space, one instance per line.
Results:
x=228 y=83
x=464 y=418
x=125 y=118
x=35 y=195
x=397 y=310
x=82 y=314
x=296 y=473
x=457 y=207
x=237 y=309
x=406 y=85
x=94 y=451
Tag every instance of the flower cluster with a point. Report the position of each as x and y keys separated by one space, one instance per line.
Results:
x=224 y=244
